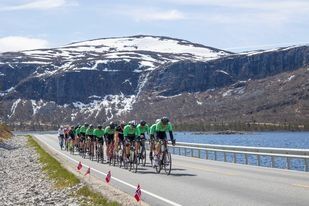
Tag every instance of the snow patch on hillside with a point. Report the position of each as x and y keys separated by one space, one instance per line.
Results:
x=36 y=106
x=146 y=43
x=290 y=78
x=110 y=104
x=13 y=107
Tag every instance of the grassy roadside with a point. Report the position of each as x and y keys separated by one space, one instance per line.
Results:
x=63 y=178
x=5 y=132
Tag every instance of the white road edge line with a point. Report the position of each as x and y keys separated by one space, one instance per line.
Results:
x=116 y=179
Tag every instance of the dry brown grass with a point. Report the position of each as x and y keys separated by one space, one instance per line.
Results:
x=5 y=132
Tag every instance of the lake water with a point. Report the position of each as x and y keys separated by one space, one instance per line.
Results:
x=255 y=139
x=298 y=140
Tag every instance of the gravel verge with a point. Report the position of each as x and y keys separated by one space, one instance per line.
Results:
x=22 y=181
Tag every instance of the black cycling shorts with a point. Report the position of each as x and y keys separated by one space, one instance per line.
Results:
x=121 y=137
x=109 y=138
x=161 y=135
x=100 y=140
x=130 y=139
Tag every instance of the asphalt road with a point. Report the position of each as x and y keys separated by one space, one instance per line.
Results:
x=203 y=182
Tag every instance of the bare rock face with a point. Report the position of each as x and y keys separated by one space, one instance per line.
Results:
x=108 y=79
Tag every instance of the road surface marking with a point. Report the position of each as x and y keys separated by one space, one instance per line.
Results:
x=300 y=185
x=118 y=180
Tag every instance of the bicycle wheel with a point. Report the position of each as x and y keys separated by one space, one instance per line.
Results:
x=158 y=166
x=136 y=159
x=144 y=156
x=120 y=155
x=151 y=158
x=167 y=163
x=97 y=155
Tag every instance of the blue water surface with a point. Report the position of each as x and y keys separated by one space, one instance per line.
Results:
x=298 y=140
x=254 y=139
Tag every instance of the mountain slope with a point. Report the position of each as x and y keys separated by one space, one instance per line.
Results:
x=113 y=78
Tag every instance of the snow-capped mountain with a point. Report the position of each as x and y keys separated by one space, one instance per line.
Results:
x=104 y=79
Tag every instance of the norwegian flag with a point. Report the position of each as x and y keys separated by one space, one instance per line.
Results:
x=79 y=166
x=138 y=193
x=88 y=171
x=108 y=177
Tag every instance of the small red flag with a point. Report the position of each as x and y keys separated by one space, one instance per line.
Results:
x=108 y=177
x=88 y=171
x=79 y=166
x=138 y=193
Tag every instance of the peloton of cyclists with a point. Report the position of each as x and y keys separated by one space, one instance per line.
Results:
x=86 y=138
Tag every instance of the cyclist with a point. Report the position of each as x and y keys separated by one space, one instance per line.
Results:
x=71 y=137
x=142 y=128
x=82 y=132
x=161 y=128
x=152 y=134
x=61 y=136
x=66 y=137
x=130 y=133
x=89 y=136
x=109 y=139
x=76 y=136
x=119 y=130
x=99 y=134
x=119 y=138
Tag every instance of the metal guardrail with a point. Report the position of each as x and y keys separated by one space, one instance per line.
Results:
x=195 y=150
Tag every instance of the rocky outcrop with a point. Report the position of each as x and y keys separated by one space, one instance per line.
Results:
x=188 y=76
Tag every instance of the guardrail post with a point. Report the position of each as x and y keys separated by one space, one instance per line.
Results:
x=224 y=156
x=273 y=161
x=178 y=150
x=258 y=160
x=234 y=157
x=306 y=165
x=185 y=152
x=199 y=153
x=192 y=153
x=215 y=155
x=246 y=159
x=288 y=163
x=206 y=151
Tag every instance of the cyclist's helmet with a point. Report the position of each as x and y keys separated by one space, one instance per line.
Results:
x=86 y=125
x=100 y=127
x=112 y=125
x=132 y=123
x=91 y=126
x=143 y=122
x=158 y=120
x=164 y=120
x=122 y=124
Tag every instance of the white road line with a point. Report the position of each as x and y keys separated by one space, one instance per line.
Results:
x=118 y=180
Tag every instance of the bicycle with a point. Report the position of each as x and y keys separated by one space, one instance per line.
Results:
x=141 y=154
x=118 y=155
x=131 y=161
x=151 y=149
x=100 y=152
x=66 y=143
x=61 y=137
x=164 y=158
